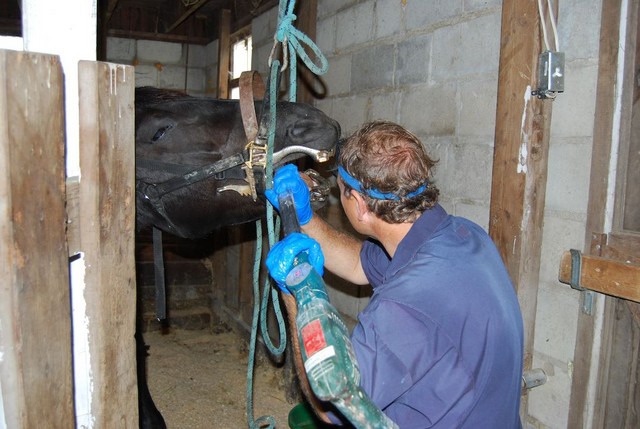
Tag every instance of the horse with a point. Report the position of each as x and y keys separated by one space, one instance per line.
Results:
x=195 y=172
x=177 y=134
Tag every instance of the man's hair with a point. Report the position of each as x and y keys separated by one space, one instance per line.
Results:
x=386 y=157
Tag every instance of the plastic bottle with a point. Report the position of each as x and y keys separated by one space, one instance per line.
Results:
x=327 y=352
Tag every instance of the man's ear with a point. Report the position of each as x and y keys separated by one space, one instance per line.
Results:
x=361 y=205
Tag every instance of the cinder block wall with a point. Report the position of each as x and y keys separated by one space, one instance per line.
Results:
x=180 y=66
x=433 y=67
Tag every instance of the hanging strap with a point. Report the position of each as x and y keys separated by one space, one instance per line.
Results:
x=158 y=268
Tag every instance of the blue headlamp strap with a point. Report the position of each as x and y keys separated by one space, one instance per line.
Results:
x=374 y=193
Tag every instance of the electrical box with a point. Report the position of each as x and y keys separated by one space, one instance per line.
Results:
x=550 y=74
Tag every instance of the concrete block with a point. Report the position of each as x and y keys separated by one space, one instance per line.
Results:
x=211 y=78
x=556 y=321
x=438 y=149
x=350 y=112
x=479 y=48
x=468 y=48
x=326 y=105
x=389 y=18
x=568 y=174
x=476 y=5
x=172 y=77
x=338 y=77
x=212 y=53
x=429 y=110
x=413 y=60
x=422 y=14
x=477 y=110
x=373 y=68
x=260 y=59
x=196 y=80
x=560 y=234
x=119 y=49
x=447 y=204
x=331 y=7
x=445 y=47
x=263 y=27
x=159 y=52
x=326 y=35
x=474 y=211
x=346 y=302
x=197 y=56
x=355 y=25
x=469 y=171
x=549 y=403
x=146 y=75
x=577 y=29
x=573 y=110
x=384 y=107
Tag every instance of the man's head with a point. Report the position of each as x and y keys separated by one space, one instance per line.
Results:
x=389 y=167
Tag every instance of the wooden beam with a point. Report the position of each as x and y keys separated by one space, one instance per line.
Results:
x=145 y=35
x=35 y=310
x=520 y=161
x=186 y=15
x=598 y=184
x=107 y=226
x=603 y=275
x=223 y=53
x=111 y=6
x=307 y=20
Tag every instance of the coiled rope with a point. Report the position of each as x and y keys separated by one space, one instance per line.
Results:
x=291 y=41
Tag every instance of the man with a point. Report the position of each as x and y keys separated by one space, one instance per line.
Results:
x=440 y=343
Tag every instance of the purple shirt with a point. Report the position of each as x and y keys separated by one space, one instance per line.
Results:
x=440 y=343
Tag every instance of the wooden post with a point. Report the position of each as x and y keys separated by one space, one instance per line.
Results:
x=598 y=187
x=520 y=160
x=223 y=53
x=307 y=20
x=35 y=313
x=107 y=226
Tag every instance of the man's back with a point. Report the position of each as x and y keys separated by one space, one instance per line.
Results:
x=440 y=344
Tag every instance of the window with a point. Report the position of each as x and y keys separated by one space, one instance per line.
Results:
x=241 y=51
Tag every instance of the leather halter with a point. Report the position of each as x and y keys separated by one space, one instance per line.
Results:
x=252 y=160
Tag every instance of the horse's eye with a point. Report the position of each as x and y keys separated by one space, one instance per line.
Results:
x=160 y=133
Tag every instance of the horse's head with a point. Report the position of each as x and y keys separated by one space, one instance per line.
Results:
x=176 y=134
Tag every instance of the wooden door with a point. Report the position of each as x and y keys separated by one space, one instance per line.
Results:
x=613 y=234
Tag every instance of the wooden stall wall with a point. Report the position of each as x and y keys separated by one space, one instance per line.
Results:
x=45 y=220
x=107 y=229
x=35 y=324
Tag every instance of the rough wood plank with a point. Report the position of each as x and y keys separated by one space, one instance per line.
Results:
x=35 y=314
x=224 y=35
x=604 y=275
x=308 y=81
x=107 y=226
x=73 y=215
x=520 y=161
x=598 y=184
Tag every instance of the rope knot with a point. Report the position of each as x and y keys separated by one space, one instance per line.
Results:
x=284 y=28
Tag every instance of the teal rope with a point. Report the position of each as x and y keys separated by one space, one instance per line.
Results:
x=260 y=305
x=292 y=40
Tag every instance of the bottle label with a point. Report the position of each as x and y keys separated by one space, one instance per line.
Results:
x=321 y=356
x=313 y=338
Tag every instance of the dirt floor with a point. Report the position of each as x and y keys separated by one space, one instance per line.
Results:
x=198 y=379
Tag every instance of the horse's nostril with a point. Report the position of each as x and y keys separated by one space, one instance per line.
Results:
x=161 y=133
